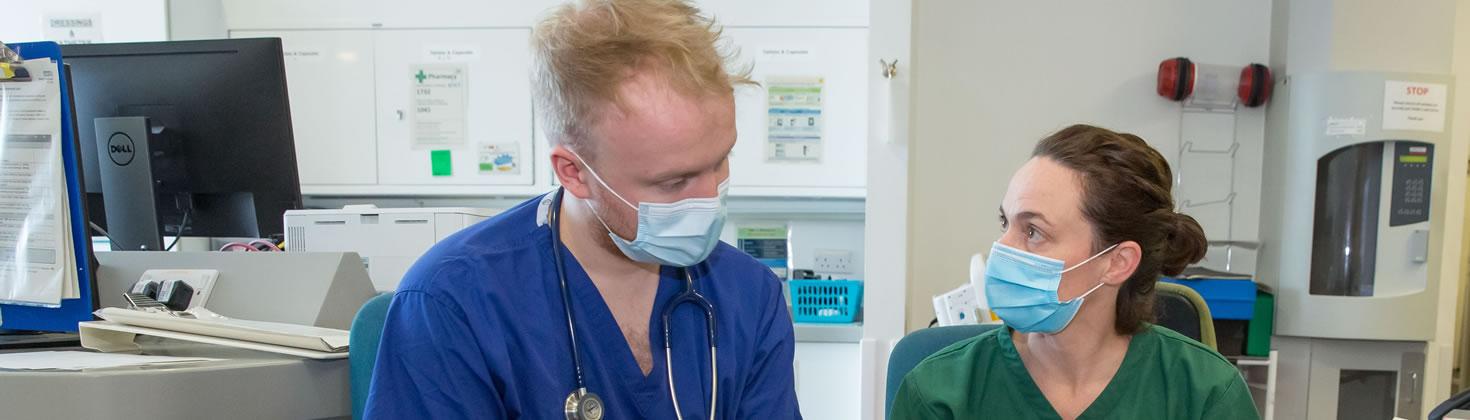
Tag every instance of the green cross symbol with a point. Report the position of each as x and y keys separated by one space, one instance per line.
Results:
x=420 y=76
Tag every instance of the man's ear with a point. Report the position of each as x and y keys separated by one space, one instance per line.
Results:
x=1122 y=262
x=569 y=171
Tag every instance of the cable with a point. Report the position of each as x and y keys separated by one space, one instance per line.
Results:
x=180 y=234
x=102 y=231
x=268 y=245
x=230 y=247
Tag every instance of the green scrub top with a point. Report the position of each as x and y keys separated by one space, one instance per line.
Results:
x=1164 y=376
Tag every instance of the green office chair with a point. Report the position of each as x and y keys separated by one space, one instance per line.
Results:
x=1178 y=307
x=916 y=346
x=362 y=348
x=1183 y=310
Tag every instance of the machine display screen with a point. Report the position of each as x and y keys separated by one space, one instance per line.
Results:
x=1413 y=159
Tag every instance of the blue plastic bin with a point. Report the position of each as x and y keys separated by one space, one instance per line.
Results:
x=1227 y=299
x=825 y=301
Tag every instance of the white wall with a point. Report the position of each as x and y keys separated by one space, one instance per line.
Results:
x=992 y=78
x=196 y=19
x=1460 y=138
x=120 y=20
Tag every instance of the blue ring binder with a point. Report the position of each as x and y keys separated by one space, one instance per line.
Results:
x=72 y=311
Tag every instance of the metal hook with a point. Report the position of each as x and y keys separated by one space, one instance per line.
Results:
x=890 y=70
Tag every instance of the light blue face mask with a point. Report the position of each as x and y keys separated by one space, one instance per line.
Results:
x=678 y=234
x=1021 y=288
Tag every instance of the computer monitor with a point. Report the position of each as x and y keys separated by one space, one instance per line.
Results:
x=211 y=125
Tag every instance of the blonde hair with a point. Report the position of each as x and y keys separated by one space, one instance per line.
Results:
x=583 y=51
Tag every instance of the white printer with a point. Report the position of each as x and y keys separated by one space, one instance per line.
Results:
x=389 y=240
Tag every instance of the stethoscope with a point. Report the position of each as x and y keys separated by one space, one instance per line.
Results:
x=582 y=404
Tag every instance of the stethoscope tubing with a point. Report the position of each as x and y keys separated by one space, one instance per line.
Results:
x=689 y=295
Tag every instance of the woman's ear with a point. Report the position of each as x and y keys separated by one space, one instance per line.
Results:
x=1122 y=262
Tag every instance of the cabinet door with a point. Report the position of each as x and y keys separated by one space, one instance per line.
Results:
x=828 y=378
x=329 y=79
x=835 y=59
x=472 y=125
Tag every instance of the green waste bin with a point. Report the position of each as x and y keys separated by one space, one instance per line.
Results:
x=1262 y=323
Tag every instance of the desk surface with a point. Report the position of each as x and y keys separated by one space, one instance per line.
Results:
x=246 y=385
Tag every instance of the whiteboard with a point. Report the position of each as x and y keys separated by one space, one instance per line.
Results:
x=322 y=14
x=501 y=101
x=329 y=77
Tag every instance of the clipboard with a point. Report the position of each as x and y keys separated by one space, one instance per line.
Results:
x=72 y=311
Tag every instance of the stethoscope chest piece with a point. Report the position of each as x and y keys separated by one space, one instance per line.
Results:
x=583 y=405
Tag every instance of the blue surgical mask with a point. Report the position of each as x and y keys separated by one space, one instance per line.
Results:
x=1021 y=288
x=678 y=234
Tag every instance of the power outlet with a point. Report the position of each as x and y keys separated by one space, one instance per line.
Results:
x=832 y=261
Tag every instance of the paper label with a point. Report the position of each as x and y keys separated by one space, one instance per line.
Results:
x=786 y=53
x=1414 y=106
x=307 y=54
x=438 y=115
x=451 y=53
x=1348 y=126
x=73 y=28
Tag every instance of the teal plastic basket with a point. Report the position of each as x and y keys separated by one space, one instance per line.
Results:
x=825 y=301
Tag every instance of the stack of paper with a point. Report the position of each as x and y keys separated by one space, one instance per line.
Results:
x=79 y=360
x=37 y=257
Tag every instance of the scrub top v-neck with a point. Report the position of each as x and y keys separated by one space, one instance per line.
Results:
x=1163 y=376
x=477 y=330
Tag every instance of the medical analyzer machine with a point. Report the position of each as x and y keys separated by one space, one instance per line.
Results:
x=1351 y=200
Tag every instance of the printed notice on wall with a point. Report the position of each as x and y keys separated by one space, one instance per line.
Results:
x=1414 y=106
x=794 y=119
x=767 y=244
x=438 y=114
x=500 y=158
x=73 y=28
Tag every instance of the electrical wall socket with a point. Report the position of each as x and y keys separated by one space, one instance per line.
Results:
x=832 y=261
x=202 y=281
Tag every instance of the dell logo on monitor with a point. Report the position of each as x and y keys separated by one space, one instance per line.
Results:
x=120 y=149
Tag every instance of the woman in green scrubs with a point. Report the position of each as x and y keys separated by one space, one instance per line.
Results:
x=1088 y=225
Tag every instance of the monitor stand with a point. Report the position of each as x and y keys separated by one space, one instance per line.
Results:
x=125 y=158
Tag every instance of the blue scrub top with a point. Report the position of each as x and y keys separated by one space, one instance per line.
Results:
x=477 y=330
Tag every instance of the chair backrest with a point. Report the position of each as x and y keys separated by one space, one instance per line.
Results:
x=1457 y=402
x=1183 y=310
x=918 y=345
x=1178 y=307
x=362 y=347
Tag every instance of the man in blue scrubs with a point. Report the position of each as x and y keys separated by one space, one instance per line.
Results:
x=639 y=109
